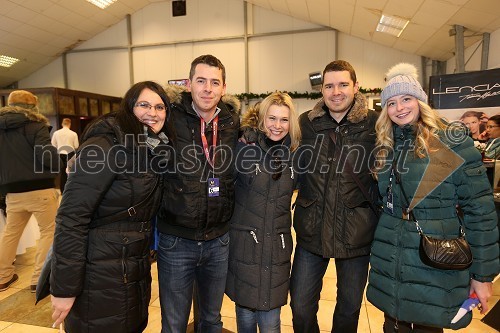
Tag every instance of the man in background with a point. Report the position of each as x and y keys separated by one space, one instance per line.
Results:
x=28 y=168
x=66 y=142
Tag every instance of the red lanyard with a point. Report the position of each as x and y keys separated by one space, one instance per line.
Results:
x=214 y=139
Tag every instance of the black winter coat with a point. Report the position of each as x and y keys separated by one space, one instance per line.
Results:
x=106 y=266
x=261 y=241
x=332 y=216
x=29 y=161
x=187 y=210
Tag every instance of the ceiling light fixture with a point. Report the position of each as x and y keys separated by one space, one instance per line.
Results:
x=392 y=25
x=102 y=3
x=6 y=61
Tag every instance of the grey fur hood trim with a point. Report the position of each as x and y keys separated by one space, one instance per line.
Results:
x=358 y=112
x=29 y=114
x=174 y=93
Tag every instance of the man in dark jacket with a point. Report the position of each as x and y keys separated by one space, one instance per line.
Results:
x=28 y=168
x=198 y=199
x=334 y=215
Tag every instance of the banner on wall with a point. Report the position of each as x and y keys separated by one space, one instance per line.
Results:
x=454 y=95
x=466 y=90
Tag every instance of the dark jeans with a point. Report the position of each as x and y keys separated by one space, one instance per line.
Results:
x=64 y=164
x=182 y=261
x=404 y=327
x=305 y=287
x=247 y=320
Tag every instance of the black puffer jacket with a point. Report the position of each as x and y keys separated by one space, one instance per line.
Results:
x=187 y=211
x=106 y=267
x=332 y=217
x=261 y=241
x=29 y=161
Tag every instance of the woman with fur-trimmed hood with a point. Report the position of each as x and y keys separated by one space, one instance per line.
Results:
x=261 y=242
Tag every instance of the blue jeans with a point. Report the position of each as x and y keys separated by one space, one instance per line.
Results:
x=306 y=282
x=248 y=319
x=182 y=261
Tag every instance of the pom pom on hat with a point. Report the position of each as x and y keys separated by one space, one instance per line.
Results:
x=402 y=79
x=22 y=98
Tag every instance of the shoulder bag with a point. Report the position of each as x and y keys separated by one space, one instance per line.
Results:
x=447 y=254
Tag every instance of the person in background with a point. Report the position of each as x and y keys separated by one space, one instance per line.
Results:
x=413 y=142
x=261 y=241
x=472 y=121
x=100 y=279
x=198 y=199
x=492 y=149
x=66 y=142
x=28 y=168
x=335 y=215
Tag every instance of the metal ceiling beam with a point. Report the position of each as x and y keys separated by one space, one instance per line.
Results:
x=459 y=48
x=485 y=51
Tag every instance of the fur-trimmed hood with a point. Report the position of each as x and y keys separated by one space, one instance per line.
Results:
x=358 y=112
x=251 y=117
x=174 y=93
x=15 y=117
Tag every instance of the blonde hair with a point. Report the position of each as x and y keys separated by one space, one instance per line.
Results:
x=281 y=99
x=428 y=125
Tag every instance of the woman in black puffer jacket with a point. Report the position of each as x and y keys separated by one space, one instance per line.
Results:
x=261 y=241
x=101 y=280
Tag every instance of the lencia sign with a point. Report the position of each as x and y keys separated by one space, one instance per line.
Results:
x=467 y=89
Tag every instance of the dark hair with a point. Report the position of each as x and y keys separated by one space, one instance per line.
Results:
x=126 y=118
x=339 y=66
x=495 y=119
x=209 y=60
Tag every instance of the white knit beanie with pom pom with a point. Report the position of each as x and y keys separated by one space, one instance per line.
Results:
x=402 y=79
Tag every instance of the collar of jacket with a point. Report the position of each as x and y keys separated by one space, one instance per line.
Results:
x=358 y=112
x=30 y=114
x=261 y=140
x=401 y=134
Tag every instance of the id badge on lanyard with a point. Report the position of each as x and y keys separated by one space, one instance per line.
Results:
x=213 y=183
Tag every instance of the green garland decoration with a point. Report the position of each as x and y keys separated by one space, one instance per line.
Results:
x=295 y=94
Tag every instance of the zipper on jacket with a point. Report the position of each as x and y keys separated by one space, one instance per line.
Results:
x=124 y=264
x=291 y=172
x=254 y=236
x=257 y=169
x=282 y=240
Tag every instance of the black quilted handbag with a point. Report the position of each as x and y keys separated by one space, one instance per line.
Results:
x=446 y=254
x=450 y=254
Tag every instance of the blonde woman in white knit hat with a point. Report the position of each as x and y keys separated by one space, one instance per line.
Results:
x=428 y=171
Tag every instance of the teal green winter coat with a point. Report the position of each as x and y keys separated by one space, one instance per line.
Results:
x=399 y=283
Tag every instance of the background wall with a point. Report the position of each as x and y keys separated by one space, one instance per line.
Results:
x=282 y=51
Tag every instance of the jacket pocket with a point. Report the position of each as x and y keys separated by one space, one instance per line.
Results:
x=304 y=217
x=127 y=245
x=244 y=244
x=282 y=245
x=359 y=226
x=182 y=198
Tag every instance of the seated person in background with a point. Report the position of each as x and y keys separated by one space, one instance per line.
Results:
x=493 y=133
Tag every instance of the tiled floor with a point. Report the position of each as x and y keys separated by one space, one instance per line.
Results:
x=18 y=303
